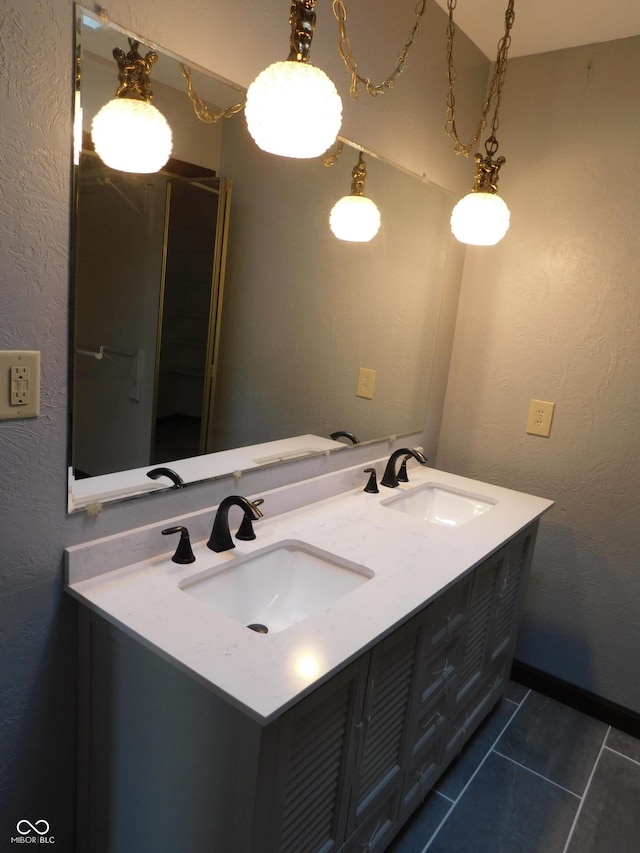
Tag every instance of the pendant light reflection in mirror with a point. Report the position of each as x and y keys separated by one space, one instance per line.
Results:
x=355 y=218
x=129 y=133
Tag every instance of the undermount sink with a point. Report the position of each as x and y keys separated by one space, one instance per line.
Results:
x=440 y=505
x=278 y=586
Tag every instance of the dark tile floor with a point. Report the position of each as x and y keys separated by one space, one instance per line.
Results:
x=538 y=777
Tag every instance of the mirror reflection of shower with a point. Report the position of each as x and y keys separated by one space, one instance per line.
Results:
x=191 y=307
x=148 y=292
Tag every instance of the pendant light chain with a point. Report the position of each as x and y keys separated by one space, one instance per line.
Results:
x=199 y=107
x=495 y=87
x=332 y=158
x=344 y=46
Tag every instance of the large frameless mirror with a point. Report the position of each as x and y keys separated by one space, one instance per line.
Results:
x=218 y=324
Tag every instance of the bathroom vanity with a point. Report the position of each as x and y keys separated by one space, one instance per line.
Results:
x=327 y=732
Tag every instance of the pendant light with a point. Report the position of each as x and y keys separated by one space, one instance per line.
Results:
x=481 y=218
x=355 y=218
x=128 y=133
x=293 y=108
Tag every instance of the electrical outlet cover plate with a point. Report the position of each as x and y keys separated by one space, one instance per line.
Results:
x=540 y=415
x=19 y=384
x=366 y=383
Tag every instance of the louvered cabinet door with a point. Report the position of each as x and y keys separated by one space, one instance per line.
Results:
x=482 y=605
x=510 y=592
x=315 y=755
x=494 y=610
x=383 y=728
x=474 y=697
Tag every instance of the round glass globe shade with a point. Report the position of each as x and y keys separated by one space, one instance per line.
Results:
x=132 y=136
x=293 y=109
x=480 y=219
x=355 y=218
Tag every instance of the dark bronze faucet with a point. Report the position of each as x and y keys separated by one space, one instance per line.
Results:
x=176 y=479
x=342 y=433
x=390 y=476
x=220 y=539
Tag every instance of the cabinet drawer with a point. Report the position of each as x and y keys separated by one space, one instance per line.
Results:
x=426 y=729
x=374 y=834
x=424 y=759
x=447 y=615
x=421 y=776
x=438 y=674
x=475 y=708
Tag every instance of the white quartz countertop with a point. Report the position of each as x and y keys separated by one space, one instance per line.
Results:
x=411 y=561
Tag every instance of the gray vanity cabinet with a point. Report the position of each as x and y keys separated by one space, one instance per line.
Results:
x=408 y=707
x=168 y=765
x=494 y=609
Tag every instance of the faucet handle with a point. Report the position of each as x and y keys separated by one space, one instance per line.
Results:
x=245 y=531
x=183 y=554
x=403 y=477
x=372 y=485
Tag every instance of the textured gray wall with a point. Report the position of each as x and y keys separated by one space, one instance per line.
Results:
x=37 y=621
x=553 y=313
x=37 y=659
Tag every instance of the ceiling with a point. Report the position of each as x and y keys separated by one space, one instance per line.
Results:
x=544 y=25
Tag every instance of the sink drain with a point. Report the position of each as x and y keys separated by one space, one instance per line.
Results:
x=258 y=627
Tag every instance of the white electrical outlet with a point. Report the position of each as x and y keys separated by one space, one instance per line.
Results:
x=19 y=384
x=540 y=415
x=366 y=383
